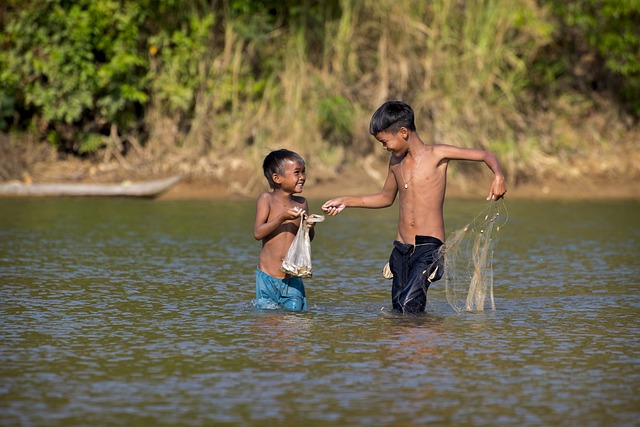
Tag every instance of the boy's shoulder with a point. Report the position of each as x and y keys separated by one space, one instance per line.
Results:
x=265 y=195
x=265 y=198
x=442 y=150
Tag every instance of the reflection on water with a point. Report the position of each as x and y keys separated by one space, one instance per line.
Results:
x=125 y=312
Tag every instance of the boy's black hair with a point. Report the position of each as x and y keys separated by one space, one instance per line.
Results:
x=391 y=116
x=275 y=161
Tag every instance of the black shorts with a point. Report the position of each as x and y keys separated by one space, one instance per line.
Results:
x=414 y=268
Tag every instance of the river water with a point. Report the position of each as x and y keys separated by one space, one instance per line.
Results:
x=138 y=313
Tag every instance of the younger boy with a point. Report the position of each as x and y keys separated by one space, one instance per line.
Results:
x=278 y=216
x=417 y=173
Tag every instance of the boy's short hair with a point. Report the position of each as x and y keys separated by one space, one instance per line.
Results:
x=391 y=116
x=275 y=161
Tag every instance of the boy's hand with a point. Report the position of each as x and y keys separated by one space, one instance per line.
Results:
x=333 y=207
x=498 y=188
x=312 y=219
x=293 y=213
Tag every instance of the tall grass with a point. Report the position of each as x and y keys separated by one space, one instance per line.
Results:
x=462 y=65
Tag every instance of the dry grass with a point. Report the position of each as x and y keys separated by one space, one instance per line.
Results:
x=463 y=66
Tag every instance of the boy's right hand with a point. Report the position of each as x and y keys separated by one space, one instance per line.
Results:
x=334 y=206
x=293 y=213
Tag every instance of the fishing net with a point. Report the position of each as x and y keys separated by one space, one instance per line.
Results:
x=297 y=262
x=468 y=260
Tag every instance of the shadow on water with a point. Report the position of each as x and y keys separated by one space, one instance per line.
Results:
x=127 y=312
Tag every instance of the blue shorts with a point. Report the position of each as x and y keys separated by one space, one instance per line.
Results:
x=272 y=292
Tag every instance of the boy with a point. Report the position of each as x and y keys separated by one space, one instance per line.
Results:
x=417 y=173
x=278 y=216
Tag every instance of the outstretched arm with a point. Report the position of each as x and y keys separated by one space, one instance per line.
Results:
x=498 y=186
x=373 y=201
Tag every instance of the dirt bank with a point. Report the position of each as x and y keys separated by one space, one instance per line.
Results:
x=356 y=183
x=247 y=184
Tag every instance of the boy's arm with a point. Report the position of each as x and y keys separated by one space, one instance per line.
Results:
x=310 y=225
x=498 y=186
x=263 y=229
x=373 y=201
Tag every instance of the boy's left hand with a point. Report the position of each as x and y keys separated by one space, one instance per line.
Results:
x=312 y=219
x=498 y=188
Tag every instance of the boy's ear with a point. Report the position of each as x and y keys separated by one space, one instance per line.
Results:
x=404 y=132
x=276 y=178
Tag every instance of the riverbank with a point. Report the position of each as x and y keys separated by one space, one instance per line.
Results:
x=246 y=183
x=349 y=183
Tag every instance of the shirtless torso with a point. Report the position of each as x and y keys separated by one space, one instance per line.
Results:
x=278 y=231
x=420 y=182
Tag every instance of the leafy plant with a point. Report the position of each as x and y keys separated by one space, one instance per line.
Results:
x=611 y=28
x=74 y=63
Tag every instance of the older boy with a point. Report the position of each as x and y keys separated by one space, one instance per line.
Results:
x=417 y=173
x=278 y=216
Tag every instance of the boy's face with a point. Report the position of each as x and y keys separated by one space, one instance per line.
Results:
x=293 y=177
x=395 y=143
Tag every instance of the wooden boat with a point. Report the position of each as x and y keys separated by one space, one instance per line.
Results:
x=149 y=189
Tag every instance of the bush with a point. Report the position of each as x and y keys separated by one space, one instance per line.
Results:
x=73 y=67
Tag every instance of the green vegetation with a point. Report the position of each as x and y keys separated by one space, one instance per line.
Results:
x=610 y=29
x=187 y=85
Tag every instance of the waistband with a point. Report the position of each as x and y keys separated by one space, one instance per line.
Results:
x=427 y=240
x=406 y=248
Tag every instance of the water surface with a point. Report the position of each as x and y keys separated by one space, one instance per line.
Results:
x=138 y=312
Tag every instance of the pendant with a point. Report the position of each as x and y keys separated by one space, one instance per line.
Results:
x=406 y=185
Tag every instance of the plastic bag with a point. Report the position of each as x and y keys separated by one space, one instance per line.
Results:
x=297 y=262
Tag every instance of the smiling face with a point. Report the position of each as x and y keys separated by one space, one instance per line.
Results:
x=395 y=143
x=293 y=177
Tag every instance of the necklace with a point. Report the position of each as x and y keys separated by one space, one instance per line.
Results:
x=406 y=183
